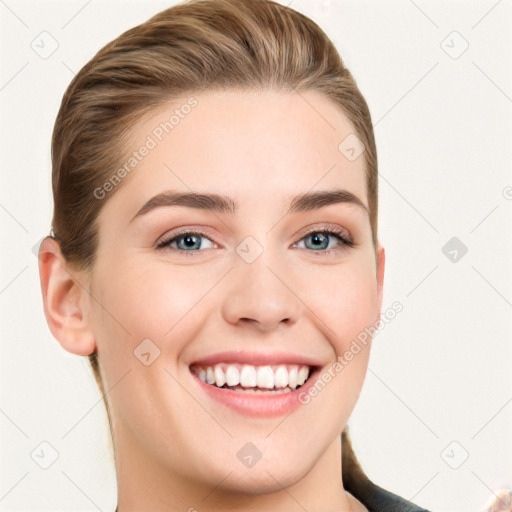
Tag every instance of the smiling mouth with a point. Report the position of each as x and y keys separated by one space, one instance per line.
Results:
x=245 y=378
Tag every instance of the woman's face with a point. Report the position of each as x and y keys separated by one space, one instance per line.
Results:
x=259 y=288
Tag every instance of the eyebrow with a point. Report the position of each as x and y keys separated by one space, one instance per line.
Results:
x=224 y=204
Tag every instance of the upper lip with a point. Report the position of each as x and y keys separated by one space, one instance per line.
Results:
x=256 y=358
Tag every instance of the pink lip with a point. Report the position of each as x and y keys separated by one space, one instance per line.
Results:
x=256 y=358
x=258 y=405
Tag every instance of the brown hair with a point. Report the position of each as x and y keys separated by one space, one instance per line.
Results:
x=194 y=46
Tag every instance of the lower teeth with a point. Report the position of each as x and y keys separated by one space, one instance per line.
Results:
x=257 y=390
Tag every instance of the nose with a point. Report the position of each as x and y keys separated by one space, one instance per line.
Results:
x=260 y=294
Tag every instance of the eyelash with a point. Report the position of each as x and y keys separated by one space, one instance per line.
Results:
x=344 y=241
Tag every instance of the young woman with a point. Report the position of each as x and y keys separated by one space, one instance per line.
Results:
x=214 y=253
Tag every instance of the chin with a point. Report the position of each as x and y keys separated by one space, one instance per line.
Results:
x=266 y=476
x=260 y=481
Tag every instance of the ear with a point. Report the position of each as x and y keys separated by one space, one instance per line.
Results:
x=381 y=262
x=66 y=300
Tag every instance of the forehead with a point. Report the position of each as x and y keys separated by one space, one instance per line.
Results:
x=254 y=145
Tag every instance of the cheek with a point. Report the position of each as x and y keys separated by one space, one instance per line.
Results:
x=345 y=298
x=348 y=306
x=155 y=298
x=140 y=301
x=137 y=302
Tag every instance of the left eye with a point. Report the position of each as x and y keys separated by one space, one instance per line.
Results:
x=320 y=238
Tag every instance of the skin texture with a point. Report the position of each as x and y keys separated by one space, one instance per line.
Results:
x=175 y=448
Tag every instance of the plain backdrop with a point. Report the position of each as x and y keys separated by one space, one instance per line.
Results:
x=434 y=419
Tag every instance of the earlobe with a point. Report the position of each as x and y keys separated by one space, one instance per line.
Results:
x=65 y=301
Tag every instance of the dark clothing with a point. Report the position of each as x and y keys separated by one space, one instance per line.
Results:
x=377 y=499
x=357 y=483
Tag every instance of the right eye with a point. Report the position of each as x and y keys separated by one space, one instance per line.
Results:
x=185 y=241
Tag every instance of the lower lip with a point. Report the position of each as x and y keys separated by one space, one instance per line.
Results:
x=259 y=405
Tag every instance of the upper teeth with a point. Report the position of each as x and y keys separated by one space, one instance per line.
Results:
x=248 y=376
